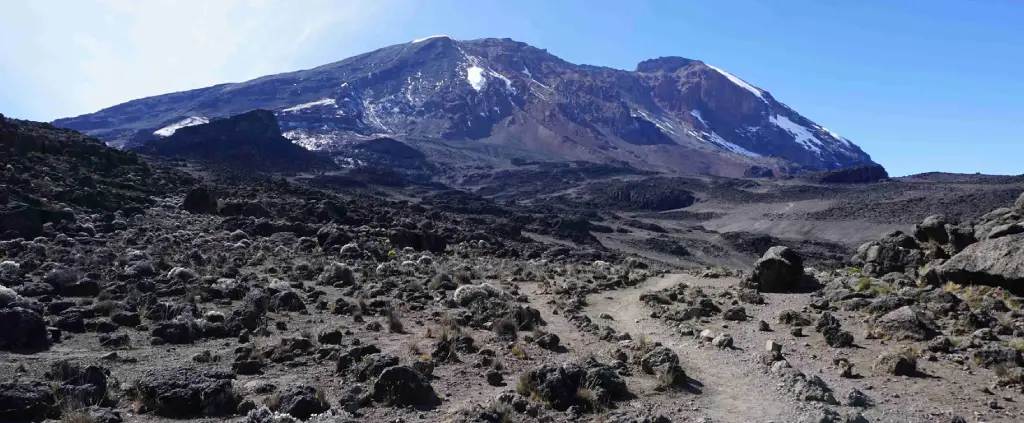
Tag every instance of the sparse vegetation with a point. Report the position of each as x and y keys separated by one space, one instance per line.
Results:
x=394 y=322
x=519 y=352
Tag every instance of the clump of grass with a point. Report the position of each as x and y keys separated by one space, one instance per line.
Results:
x=463 y=277
x=414 y=349
x=587 y=397
x=952 y=287
x=395 y=324
x=643 y=344
x=519 y=352
x=881 y=289
x=449 y=326
x=525 y=385
x=76 y=415
x=863 y=284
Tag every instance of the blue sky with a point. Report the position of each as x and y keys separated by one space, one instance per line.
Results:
x=920 y=85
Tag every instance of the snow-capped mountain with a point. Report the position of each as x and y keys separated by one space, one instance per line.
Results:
x=670 y=113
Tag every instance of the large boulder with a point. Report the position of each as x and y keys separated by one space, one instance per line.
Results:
x=418 y=240
x=995 y=262
x=896 y=252
x=200 y=200
x=182 y=392
x=779 y=270
x=403 y=386
x=87 y=384
x=22 y=221
x=25 y=400
x=302 y=401
x=905 y=323
x=932 y=229
x=23 y=330
x=559 y=385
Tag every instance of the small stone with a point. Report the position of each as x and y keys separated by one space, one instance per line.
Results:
x=763 y=326
x=722 y=341
x=773 y=347
x=494 y=378
x=707 y=335
x=797 y=332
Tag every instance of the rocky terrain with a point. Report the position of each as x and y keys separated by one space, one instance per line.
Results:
x=219 y=273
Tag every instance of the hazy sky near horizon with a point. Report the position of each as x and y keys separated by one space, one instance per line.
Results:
x=920 y=85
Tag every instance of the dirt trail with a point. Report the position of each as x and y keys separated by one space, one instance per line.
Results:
x=734 y=388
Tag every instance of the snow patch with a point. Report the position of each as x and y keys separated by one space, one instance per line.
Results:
x=802 y=135
x=743 y=84
x=721 y=142
x=189 y=121
x=696 y=113
x=310 y=141
x=526 y=70
x=475 y=76
x=420 y=40
x=324 y=102
x=835 y=135
x=663 y=126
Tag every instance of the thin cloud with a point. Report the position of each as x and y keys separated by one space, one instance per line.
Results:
x=91 y=54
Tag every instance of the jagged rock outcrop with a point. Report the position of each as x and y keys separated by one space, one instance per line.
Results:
x=250 y=141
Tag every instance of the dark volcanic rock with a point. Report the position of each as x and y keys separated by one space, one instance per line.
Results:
x=302 y=401
x=403 y=386
x=186 y=392
x=651 y=194
x=23 y=329
x=850 y=175
x=200 y=200
x=780 y=270
x=758 y=172
x=25 y=400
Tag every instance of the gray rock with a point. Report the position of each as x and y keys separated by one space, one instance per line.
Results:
x=895 y=364
x=182 y=392
x=779 y=270
x=856 y=398
x=905 y=323
x=896 y=252
x=403 y=386
x=736 y=313
x=994 y=355
x=25 y=400
x=659 y=357
x=793 y=318
x=373 y=365
x=722 y=341
x=998 y=262
x=302 y=401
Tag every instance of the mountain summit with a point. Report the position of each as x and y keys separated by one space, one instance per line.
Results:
x=670 y=113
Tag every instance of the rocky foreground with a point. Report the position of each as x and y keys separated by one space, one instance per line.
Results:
x=134 y=292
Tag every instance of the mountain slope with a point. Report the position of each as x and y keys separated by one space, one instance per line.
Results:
x=670 y=113
x=250 y=140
